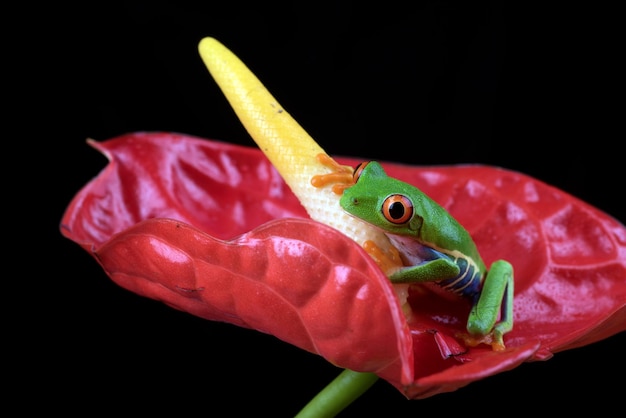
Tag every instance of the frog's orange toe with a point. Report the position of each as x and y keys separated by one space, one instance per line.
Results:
x=489 y=339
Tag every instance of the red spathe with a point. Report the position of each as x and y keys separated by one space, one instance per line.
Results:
x=210 y=228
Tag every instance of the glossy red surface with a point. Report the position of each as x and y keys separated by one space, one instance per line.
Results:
x=211 y=229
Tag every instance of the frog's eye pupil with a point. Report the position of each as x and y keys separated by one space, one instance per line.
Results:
x=358 y=170
x=397 y=209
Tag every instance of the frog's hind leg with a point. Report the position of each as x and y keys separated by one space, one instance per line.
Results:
x=496 y=299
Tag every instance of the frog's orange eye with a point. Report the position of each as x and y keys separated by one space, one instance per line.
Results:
x=358 y=170
x=397 y=209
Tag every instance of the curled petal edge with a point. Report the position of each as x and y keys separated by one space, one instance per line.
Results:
x=253 y=281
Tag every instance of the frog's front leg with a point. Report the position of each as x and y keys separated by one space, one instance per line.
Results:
x=427 y=271
x=496 y=298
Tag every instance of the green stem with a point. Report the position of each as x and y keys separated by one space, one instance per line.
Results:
x=338 y=394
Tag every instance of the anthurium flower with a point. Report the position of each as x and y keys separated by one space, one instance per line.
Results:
x=212 y=229
x=247 y=236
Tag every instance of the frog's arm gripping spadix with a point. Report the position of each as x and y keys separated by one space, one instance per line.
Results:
x=285 y=143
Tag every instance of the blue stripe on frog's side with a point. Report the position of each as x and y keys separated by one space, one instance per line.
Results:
x=467 y=282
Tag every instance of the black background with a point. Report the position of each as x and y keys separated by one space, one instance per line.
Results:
x=528 y=87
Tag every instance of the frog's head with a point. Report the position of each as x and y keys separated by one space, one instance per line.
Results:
x=383 y=201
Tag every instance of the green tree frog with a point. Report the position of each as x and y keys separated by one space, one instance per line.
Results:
x=434 y=247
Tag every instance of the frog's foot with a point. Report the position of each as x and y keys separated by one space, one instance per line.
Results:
x=494 y=339
x=388 y=261
x=340 y=176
